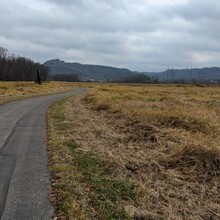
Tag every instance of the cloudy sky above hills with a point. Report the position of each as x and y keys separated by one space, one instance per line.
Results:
x=142 y=35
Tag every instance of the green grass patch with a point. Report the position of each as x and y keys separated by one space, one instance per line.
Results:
x=107 y=192
x=71 y=144
x=58 y=114
x=116 y=97
x=150 y=100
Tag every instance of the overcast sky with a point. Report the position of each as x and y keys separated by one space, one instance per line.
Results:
x=142 y=35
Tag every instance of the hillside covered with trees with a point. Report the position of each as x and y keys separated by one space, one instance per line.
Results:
x=60 y=70
x=87 y=72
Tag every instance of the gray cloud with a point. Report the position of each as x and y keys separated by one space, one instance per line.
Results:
x=141 y=35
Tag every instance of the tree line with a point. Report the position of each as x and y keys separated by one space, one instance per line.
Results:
x=137 y=78
x=18 y=68
x=71 y=77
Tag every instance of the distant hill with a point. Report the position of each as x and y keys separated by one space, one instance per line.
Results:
x=206 y=74
x=87 y=72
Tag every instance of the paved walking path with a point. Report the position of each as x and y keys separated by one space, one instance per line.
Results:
x=24 y=176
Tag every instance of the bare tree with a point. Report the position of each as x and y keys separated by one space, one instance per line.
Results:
x=17 y=68
x=3 y=58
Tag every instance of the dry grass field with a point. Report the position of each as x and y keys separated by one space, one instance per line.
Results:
x=10 y=91
x=136 y=152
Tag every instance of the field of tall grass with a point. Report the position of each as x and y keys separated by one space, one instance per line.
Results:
x=189 y=113
x=10 y=91
x=136 y=152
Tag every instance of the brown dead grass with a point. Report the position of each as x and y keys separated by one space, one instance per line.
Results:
x=164 y=139
x=10 y=91
x=197 y=160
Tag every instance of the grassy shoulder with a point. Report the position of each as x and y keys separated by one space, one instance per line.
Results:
x=84 y=185
x=10 y=91
x=136 y=152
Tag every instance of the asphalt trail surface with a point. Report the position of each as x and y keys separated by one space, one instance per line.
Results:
x=24 y=176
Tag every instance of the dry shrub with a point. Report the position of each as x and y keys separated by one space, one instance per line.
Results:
x=202 y=160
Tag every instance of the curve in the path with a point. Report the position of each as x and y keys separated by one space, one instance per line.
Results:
x=24 y=176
